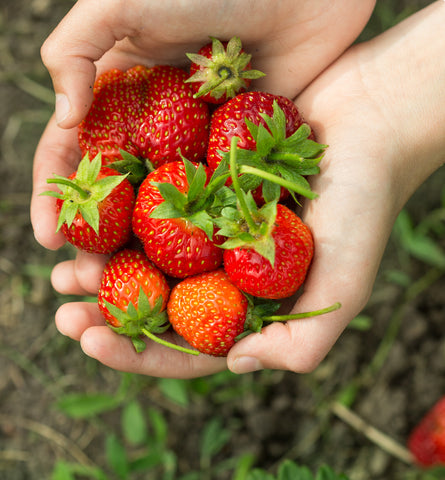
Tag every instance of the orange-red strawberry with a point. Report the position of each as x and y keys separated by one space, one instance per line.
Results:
x=272 y=138
x=147 y=112
x=221 y=70
x=208 y=311
x=171 y=219
x=95 y=207
x=132 y=297
x=427 y=440
x=211 y=313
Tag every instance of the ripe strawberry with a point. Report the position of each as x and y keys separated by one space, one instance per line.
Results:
x=149 y=113
x=272 y=138
x=133 y=296
x=113 y=116
x=427 y=440
x=95 y=207
x=172 y=119
x=208 y=311
x=172 y=222
x=211 y=313
x=255 y=274
x=269 y=250
x=221 y=70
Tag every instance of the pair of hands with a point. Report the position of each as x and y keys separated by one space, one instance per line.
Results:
x=356 y=102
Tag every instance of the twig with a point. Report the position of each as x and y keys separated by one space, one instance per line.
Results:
x=50 y=434
x=382 y=440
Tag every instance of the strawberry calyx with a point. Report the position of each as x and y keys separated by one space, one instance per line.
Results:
x=143 y=320
x=136 y=169
x=244 y=223
x=202 y=201
x=225 y=72
x=279 y=161
x=83 y=192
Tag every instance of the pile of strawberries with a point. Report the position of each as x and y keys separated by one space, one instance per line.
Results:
x=187 y=180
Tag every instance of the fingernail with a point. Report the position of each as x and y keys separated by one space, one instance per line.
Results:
x=63 y=107
x=246 y=365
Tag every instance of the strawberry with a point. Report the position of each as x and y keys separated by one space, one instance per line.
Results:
x=221 y=70
x=94 y=207
x=272 y=138
x=172 y=221
x=269 y=250
x=208 y=311
x=211 y=313
x=281 y=275
x=427 y=440
x=133 y=296
x=111 y=121
x=149 y=113
x=172 y=119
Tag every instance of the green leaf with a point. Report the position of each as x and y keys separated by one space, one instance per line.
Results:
x=175 y=390
x=159 y=426
x=214 y=438
x=87 y=405
x=289 y=470
x=116 y=456
x=134 y=426
x=259 y=474
x=62 y=471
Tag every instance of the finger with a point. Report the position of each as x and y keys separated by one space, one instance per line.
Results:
x=72 y=319
x=81 y=276
x=58 y=153
x=117 y=352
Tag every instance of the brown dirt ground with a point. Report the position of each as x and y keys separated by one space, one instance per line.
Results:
x=277 y=415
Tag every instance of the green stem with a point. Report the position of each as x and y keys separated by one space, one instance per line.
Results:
x=286 y=156
x=297 y=316
x=159 y=340
x=69 y=183
x=253 y=227
x=279 y=180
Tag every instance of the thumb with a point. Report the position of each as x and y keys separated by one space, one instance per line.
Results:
x=69 y=53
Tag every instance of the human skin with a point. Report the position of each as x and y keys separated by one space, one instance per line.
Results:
x=385 y=135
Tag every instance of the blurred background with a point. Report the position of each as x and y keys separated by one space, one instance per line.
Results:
x=64 y=416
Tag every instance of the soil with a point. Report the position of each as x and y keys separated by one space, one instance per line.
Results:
x=394 y=369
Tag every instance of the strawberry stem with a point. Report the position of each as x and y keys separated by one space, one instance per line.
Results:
x=279 y=180
x=297 y=316
x=253 y=227
x=64 y=181
x=159 y=340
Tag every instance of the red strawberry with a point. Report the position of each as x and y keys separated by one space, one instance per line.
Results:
x=208 y=311
x=221 y=70
x=171 y=221
x=427 y=440
x=294 y=247
x=211 y=313
x=269 y=250
x=95 y=207
x=133 y=296
x=272 y=138
x=147 y=112
x=111 y=121
x=172 y=119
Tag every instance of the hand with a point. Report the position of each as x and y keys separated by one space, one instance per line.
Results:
x=292 y=42
x=381 y=148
